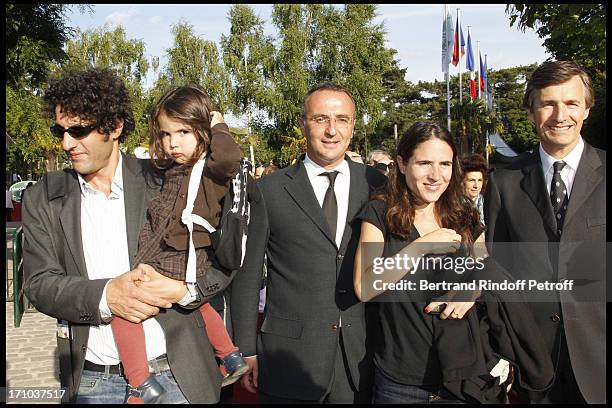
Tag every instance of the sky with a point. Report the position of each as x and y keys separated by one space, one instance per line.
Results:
x=414 y=31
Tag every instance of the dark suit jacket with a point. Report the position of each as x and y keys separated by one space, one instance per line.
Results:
x=56 y=280
x=518 y=209
x=310 y=286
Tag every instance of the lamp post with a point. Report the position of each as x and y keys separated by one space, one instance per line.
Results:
x=366 y=119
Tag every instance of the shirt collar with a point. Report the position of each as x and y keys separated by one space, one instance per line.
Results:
x=116 y=185
x=571 y=159
x=314 y=169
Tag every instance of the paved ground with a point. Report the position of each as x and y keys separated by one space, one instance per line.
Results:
x=31 y=349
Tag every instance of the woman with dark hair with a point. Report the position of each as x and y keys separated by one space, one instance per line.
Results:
x=422 y=355
x=424 y=203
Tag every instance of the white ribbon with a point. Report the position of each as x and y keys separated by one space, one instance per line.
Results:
x=188 y=218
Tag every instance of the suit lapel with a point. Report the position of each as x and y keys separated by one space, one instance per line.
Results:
x=70 y=220
x=134 y=195
x=534 y=185
x=585 y=181
x=300 y=189
x=358 y=189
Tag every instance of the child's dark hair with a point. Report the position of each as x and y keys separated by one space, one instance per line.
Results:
x=188 y=104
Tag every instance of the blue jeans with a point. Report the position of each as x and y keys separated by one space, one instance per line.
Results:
x=387 y=391
x=98 y=388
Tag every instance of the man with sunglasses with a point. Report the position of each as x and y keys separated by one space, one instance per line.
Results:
x=81 y=228
x=380 y=160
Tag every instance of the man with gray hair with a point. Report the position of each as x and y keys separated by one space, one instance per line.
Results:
x=380 y=160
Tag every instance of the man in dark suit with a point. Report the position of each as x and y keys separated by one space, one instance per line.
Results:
x=312 y=343
x=81 y=229
x=557 y=195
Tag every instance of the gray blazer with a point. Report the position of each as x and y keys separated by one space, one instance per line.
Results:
x=518 y=209
x=57 y=284
x=309 y=286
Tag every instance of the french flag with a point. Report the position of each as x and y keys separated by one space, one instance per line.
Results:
x=483 y=75
x=458 y=30
x=469 y=64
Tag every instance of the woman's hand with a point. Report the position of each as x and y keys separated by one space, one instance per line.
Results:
x=441 y=241
x=216 y=118
x=453 y=310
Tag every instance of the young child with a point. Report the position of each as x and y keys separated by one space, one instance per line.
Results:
x=184 y=130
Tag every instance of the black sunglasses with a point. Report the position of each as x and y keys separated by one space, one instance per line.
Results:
x=76 y=131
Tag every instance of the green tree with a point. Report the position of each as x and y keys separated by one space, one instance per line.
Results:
x=317 y=43
x=110 y=48
x=294 y=144
x=570 y=31
x=471 y=122
x=573 y=32
x=194 y=60
x=35 y=36
x=34 y=150
x=403 y=105
x=508 y=90
x=290 y=77
x=248 y=56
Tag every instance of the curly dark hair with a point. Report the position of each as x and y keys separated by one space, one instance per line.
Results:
x=94 y=94
x=475 y=162
x=452 y=209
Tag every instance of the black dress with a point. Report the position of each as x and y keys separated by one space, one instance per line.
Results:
x=412 y=347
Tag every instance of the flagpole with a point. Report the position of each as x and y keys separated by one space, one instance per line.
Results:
x=459 y=40
x=470 y=53
x=448 y=121
x=447 y=67
x=486 y=90
x=448 y=115
x=478 y=68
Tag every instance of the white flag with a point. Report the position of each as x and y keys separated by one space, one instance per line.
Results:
x=447 y=38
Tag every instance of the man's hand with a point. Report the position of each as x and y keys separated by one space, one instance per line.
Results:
x=125 y=299
x=249 y=379
x=161 y=286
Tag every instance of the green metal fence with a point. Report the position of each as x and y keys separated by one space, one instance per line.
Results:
x=18 y=297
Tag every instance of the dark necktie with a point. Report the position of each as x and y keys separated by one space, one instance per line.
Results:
x=558 y=195
x=330 y=205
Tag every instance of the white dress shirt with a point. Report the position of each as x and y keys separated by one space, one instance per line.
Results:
x=104 y=236
x=341 y=189
x=572 y=159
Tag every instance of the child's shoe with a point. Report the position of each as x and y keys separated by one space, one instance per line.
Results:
x=149 y=392
x=235 y=366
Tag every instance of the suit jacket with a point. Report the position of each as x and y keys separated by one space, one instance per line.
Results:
x=309 y=286
x=518 y=209
x=56 y=280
